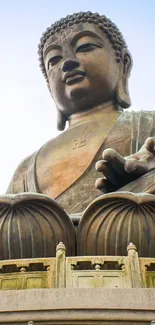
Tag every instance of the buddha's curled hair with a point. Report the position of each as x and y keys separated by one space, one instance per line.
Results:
x=105 y=24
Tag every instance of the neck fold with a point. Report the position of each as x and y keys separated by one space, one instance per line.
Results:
x=99 y=110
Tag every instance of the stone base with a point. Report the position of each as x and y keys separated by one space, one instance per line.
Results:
x=77 y=306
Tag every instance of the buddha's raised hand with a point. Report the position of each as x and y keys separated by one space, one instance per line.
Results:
x=119 y=171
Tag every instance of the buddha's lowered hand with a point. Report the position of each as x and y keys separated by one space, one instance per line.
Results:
x=119 y=171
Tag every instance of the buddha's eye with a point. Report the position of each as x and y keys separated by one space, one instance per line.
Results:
x=54 y=60
x=87 y=47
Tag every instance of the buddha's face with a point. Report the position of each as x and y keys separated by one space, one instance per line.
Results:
x=81 y=67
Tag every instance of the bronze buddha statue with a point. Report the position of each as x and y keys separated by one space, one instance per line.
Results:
x=86 y=64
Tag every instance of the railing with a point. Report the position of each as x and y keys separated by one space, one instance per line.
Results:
x=32 y=323
x=79 y=272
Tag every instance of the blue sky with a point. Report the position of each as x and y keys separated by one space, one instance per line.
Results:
x=27 y=112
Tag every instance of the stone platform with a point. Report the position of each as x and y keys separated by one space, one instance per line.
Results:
x=78 y=290
x=77 y=306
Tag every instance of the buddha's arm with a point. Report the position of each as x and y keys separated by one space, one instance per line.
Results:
x=18 y=182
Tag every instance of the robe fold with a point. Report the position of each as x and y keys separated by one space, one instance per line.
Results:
x=64 y=168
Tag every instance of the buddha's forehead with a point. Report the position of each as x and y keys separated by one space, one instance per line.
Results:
x=66 y=35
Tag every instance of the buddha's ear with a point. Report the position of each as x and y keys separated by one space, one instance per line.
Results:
x=122 y=93
x=61 y=120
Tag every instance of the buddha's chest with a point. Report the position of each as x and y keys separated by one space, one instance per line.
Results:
x=63 y=161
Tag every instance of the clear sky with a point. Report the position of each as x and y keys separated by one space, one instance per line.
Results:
x=28 y=117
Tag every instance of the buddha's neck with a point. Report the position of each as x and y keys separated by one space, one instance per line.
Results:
x=94 y=112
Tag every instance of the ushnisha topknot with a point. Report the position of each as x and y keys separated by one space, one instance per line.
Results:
x=104 y=23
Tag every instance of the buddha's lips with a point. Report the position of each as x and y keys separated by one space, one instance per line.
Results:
x=73 y=76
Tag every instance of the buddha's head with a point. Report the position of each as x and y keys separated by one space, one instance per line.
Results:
x=85 y=61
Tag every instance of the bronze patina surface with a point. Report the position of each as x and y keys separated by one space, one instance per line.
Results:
x=32 y=225
x=86 y=64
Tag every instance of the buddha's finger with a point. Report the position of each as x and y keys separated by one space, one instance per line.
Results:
x=104 y=185
x=150 y=144
x=115 y=160
x=100 y=184
x=135 y=167
x=146 y=152
x=100 y=165
x=105 y=168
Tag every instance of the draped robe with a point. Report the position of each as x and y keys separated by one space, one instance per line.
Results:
x=64 y=168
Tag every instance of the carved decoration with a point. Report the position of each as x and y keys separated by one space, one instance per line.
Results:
x=113 y=220
x=31 y=225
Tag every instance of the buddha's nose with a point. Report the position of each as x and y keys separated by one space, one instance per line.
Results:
x=70 y=64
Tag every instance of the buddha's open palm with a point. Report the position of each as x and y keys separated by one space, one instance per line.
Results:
x=118 y=171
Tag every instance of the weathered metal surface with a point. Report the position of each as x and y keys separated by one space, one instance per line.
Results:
x=31 y=225
x=113 y=220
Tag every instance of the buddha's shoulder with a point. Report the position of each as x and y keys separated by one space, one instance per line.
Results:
x=138 y=114
x=19 y=179
x=17 y=183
